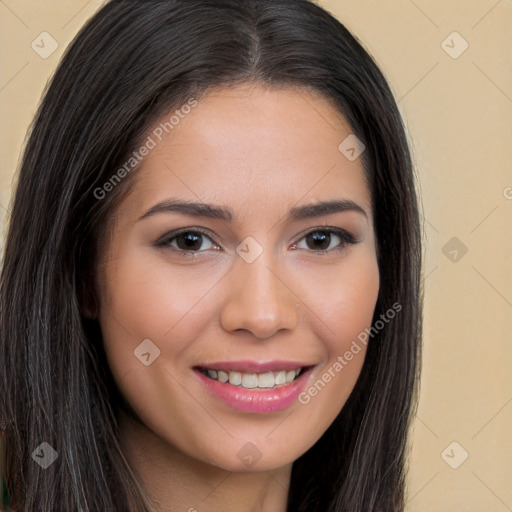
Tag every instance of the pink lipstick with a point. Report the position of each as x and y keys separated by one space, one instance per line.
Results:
x=255 y=387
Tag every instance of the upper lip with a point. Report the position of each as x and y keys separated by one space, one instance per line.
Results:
x=253 y=366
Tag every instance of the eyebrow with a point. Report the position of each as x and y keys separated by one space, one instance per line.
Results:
x=211 y=211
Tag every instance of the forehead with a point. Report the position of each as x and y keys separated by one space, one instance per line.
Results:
x=255 y=148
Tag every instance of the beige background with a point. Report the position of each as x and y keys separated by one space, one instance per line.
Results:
x=458 y=113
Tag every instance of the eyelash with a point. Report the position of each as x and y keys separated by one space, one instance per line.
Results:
x=345 y=237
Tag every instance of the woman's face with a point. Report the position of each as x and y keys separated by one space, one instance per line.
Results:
x=262 y=282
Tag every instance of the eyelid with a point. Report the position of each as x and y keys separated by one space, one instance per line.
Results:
x=173 y=234
x=342 y=233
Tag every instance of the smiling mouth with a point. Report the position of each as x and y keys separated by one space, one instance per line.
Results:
x=266 y=380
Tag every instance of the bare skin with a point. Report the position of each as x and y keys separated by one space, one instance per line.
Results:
x=259 y=152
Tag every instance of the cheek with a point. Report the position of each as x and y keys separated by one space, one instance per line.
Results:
x=148 y=298
x=354 y=302
x=344 y=299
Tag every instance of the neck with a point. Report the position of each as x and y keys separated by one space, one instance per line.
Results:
x=176 y=482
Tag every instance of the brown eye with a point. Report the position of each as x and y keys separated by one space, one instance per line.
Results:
x=319 y=240
x=187 y=241
x=326 y=240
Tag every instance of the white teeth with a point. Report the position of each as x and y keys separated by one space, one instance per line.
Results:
x=249 y=380
x=266 y=380
x=280 y=378
x=290 y=375
x=222 y=376
x=254 y=380
x=235 y=378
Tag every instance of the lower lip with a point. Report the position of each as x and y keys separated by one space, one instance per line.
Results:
x=258 y=401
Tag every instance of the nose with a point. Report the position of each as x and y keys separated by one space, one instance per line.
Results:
x=259 y=300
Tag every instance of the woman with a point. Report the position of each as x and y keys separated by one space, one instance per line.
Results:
x=210 y=295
